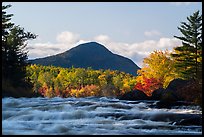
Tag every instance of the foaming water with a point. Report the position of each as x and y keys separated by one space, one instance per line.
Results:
x=93 y=116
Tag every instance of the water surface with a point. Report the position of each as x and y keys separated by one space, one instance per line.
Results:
x=93 y=116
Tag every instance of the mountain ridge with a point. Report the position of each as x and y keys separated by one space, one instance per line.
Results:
x=91 y=54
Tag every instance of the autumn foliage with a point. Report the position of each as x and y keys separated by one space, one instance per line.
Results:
x=147 y=85
x=52 y=81
x=88 y=90
x=157 y=72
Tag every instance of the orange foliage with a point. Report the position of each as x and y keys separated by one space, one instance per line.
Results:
x=147 y=85
x=43 y=90
x=88 y=90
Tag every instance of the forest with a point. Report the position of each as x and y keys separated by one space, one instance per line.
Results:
x=19 y=78
x=52 y=81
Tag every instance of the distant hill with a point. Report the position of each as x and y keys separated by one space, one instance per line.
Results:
x=91 y=54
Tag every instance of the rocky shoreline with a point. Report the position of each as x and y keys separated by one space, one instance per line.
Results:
x=178 y=90
x=174 y=95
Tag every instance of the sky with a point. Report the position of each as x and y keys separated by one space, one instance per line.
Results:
x=130 y=29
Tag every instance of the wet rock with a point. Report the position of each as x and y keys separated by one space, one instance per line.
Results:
x=157 y=94
x=164 y=104
x=170 y=103
x=164 y=127
x=113 y=115
x=175 y=118
x=116 y=105
x=84 y=103
x=195 y=120
x=134 y=95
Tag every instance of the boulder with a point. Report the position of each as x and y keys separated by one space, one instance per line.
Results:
x=191 y=92
x=134 y=95
x=165 y=104
x=182 y=90
x=172 y=93
x=176 y=84
x=157 y=94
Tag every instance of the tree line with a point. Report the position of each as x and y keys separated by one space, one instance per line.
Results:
x=52 y=81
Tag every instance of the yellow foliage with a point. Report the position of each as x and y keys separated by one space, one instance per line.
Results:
x=73 y=92
x=88 y=90
x=158 y=65
x=126 y=86
x=49 y=93
x=102 y=80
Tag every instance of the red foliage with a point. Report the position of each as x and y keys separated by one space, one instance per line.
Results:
x=42 y=90
x=148 y=85
x=57 y=92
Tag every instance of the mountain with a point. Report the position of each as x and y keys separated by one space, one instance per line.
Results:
x=91 y=54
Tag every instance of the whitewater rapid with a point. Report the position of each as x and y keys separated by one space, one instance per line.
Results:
x=92 y=116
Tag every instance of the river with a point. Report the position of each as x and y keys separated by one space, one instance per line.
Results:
x=92 y=116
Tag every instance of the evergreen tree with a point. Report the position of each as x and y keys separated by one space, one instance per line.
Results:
x=6 y=25
x=188 y=57
x=14 y=54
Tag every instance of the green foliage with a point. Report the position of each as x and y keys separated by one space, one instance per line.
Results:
x=188 y=57
x=52 y=81
x=14 y=55
x=6 y=24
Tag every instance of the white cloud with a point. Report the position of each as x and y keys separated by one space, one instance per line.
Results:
x=138 y=51
x=145 y=48
x=81 y=42
x=65 y=41
x=102 y=38
x=134 y=51
x=67 y=37
x=181 y=3
x=39 y=50
x=152 y=33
